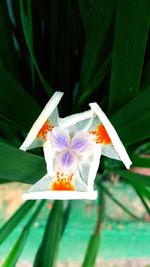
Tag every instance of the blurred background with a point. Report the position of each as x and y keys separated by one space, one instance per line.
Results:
x=92 y=50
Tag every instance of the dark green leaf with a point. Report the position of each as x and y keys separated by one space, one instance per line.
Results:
x=99 y=22
x=16 y=250
x=101 y=73
x=91 y=252
x=27 y=36
x=85 y=12
x=131 y=33
x=132 y=121
x=134 y=177
x=140 y=161
x=15 y=219
x=8 y=54
x=17 y=107
x=46 y=254
x=17 y=165
x=117 y=202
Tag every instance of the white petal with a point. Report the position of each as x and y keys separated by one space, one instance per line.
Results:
x=84 y=166
x=41 y=190
x=94 y=167
x=49 y=155
x=45 y=114
x=109 y=151
x=61 y=195
x=112 y=134
x=75 y=118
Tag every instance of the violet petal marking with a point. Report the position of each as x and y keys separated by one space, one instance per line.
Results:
x=66 y=162
x=59 y=140
x=82 y=143
x=79 y=144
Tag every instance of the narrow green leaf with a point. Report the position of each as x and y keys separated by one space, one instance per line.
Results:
x=145 y=81
x=132 y=121
x=91 y=252
x=26 y=32
x=99 y=22
x=8 y=55
x=140 y=188
x=17 y=106
x=131 y=32
x=94 y=242
x=117 y=202
x=101 y=73
x=143 y=202
x=15 y=219
x=16 y=250
x=17 y=165
x=140 y=161
x=30 y=25
x=85 y=12
x=46 y=254
x=134 y=177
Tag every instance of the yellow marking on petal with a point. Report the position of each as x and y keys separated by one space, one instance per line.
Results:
x=63 y=182
x=45 y=128
x=101 y=134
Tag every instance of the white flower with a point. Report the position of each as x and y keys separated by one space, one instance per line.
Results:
x=72 y=150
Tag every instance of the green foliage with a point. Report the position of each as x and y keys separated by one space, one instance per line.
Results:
x=93 y=51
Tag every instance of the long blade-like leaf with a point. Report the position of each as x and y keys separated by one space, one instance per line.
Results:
x=27 y=35
x=17 y=106
x=132 y=120
x=15 y=219
x=17 y=165
x=47 y=252
x=16 y=250
x=8 y=54
x=98 y=25
x=131 y=33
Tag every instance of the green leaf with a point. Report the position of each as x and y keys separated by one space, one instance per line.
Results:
x=145 y=82
x=17 y=106
x=98 y=25
x=46 y=254
x=91 y=252
x=30 y=25
x=131 y=33
x=132 y=121
x=143 y=202
x=136 y=178
x=16 y=250
x=85 y=12
x=27 y=35
x=15 y=219
x=8 y=55
x=101 y=73
x=117 y=202
x=17 y=165
x=140 y=161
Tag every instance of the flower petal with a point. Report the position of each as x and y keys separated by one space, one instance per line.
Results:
x=66 y=162
x=74 y=119
x=94 y=166
x=60 y=140
x=49 y=155
x=83 y=143
x=120 y=149
x=41 y=190
x=49 y=113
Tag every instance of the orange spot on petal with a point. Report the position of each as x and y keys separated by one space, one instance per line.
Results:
x=63 y=183
x=43 y=131
x=101 y=135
